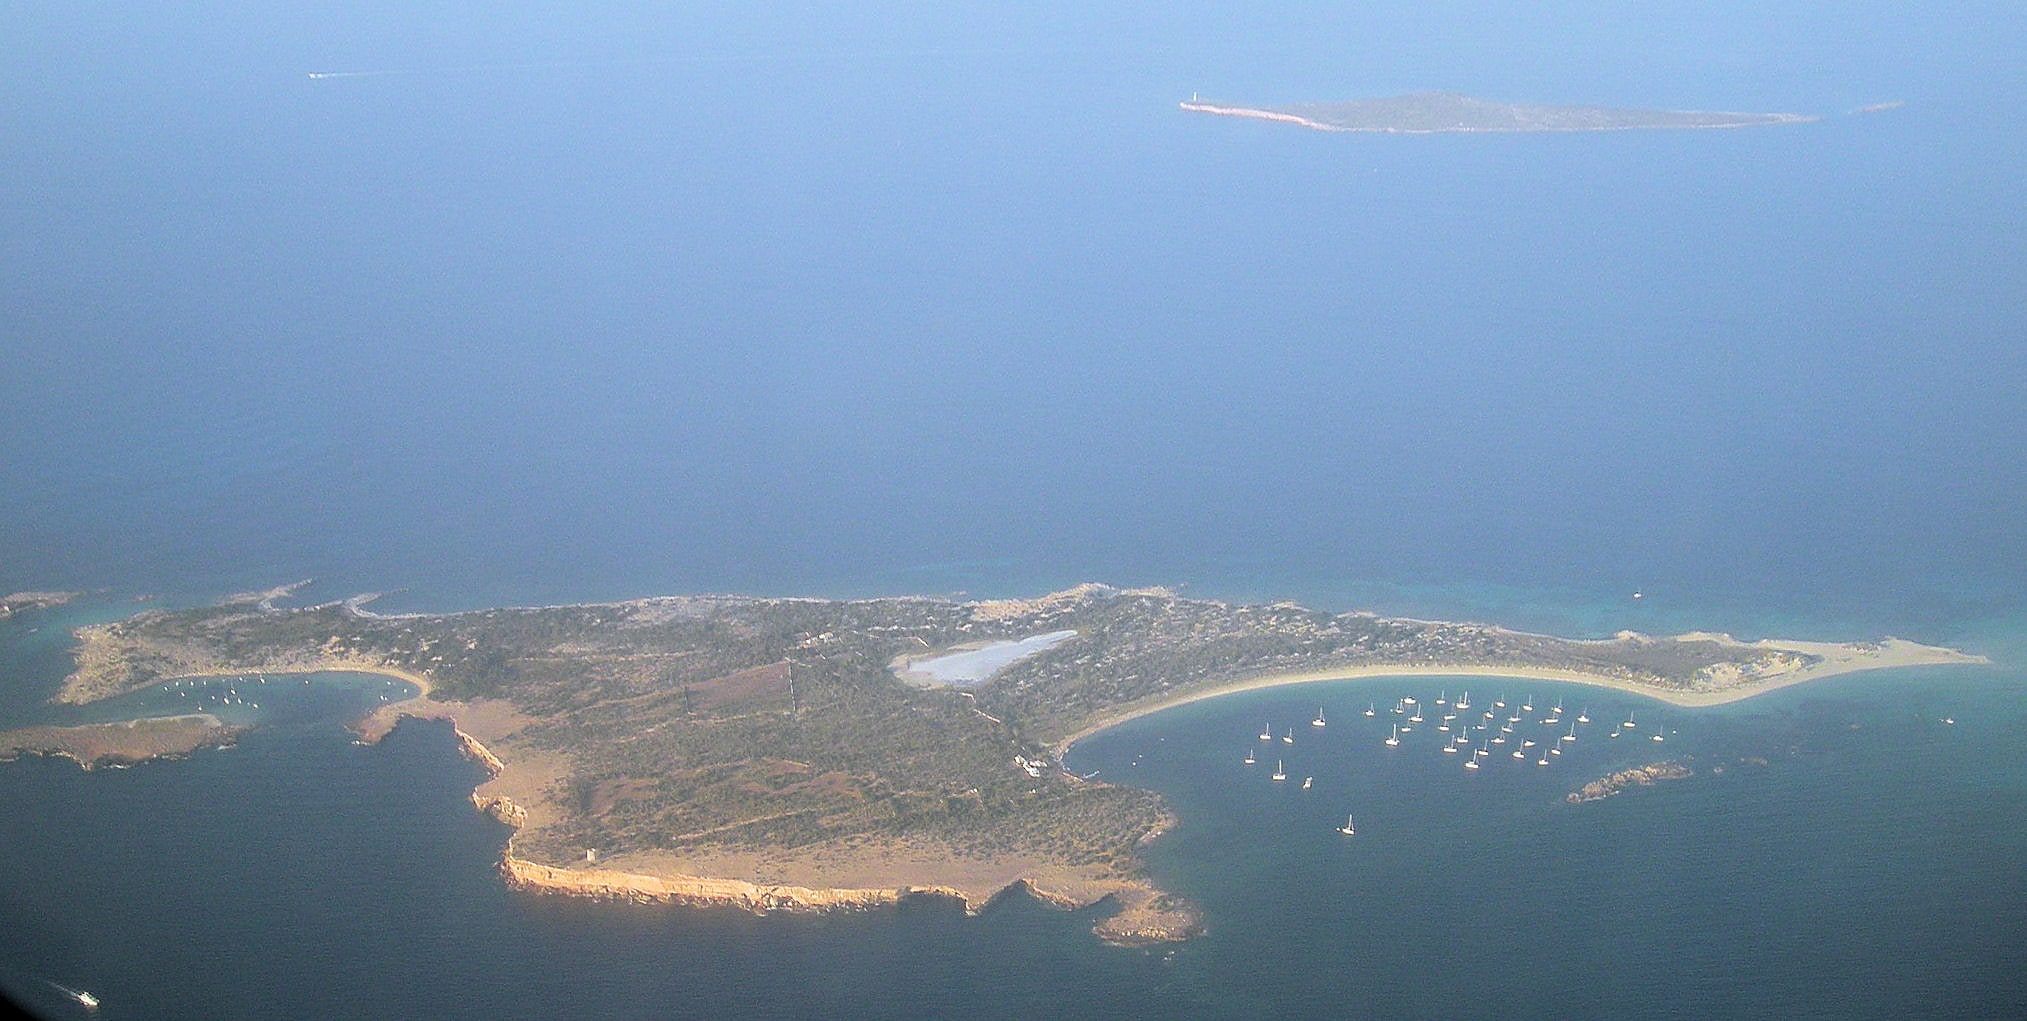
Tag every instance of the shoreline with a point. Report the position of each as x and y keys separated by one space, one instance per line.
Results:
x=1893 y=653
x=877 y=867
x=1282 y=117
x=1146 y=915
x=119 y=744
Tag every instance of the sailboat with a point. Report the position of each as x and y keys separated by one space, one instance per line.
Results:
x=84 y=999
x=1583 y=716
x=1572 y=735
x=1308 y=782
x=1249 y=757
x=1658 y=731
x=1629 y=724
x=1527 y=706
x=1279 y=773
x=1288 y=738
x=1465 y=702
x=1318 y=721
x=1417 y=718
x=1443 y=697
x=1450 y=748
x=1347 y=829
x=1370 y=710
x=1518 y=754
x=1395 y=741
x=1267 y=732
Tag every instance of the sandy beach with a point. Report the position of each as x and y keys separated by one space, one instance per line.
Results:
x=1832 y=660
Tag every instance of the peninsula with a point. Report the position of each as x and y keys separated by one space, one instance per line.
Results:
x=768 y=754
x=1424 y=113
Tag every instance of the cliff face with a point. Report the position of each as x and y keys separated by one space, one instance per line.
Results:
x=698 y=891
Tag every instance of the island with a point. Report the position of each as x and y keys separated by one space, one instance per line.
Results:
x=783 y=754
x=1424 y=113
x=19 y=602
x=1638 y=776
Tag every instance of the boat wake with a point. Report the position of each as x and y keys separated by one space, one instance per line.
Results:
x=84 y=999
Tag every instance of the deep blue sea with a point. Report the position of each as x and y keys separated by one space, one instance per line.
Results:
x=541 y=306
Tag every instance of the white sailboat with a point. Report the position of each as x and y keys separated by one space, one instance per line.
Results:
x=1465 y=702
x=1370 y=709
x=1279 y=773
x=1308 y=782
x=1658 y=731
x=84 y=999
x=1572 y=735
x=1347 y=829
x=1629 y=724
x=1395 y=740
x=1318 y=721
x=1249 y=757
x=1583 y=716
x=1288 y=738
x=1527 y=706
x=1267 y=732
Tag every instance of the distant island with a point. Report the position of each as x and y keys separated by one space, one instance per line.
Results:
x=1425 y=113
x=811 y=754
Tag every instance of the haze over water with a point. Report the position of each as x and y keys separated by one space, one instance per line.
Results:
x=851 y=302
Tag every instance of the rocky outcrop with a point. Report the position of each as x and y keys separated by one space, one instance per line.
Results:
x=1639 y=776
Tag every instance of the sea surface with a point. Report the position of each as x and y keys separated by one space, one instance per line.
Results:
x=854 y=300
